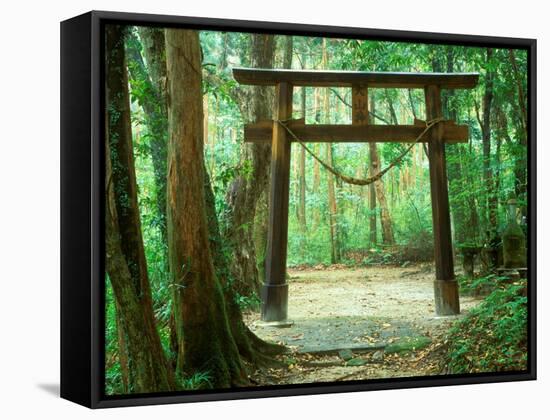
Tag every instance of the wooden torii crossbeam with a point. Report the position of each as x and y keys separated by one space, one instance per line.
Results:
x=275 y=289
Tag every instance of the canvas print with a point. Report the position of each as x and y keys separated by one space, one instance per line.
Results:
x=289 y=209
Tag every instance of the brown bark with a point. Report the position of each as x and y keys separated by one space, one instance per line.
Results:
x=302 y=176
x=315 y=187
x=288 y=52
x=125 y=256
x=335 y=255
x=393 y=114
x=385 y=219
x=205 y=342
x=372 y=199
x=155 y=107
x=316 y=216
x=246 y=189
x=252 y=349
x=122 y=351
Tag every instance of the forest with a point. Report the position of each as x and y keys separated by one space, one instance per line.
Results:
x=187 y=206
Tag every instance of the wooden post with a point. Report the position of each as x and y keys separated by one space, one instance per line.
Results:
x=275 y=288
x=359 y=105
x=445 y=286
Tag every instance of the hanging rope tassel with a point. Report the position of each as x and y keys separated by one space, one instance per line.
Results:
x=371 y=179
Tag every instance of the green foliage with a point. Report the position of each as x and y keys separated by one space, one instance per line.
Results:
x=480 y=285
x=407 y=344
x=407 y=186
x=199 y=380
x=493 y=336
x=113 y=377
x=246 y=303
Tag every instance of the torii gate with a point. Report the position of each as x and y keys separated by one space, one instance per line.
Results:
x=275 y=289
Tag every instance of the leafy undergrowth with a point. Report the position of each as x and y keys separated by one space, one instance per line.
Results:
x=481 y=285
x=493 y=336
x=394 y=256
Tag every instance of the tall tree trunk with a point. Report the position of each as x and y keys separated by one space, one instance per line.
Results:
x=385 y=219
x=315 y=188
x=462 y=230
x=520 y=164
x=122 y=350
x=372 y=190
x=288 y=51
x=393 y=114
x=335 y=255
x=154 y=52
x=153 y=77
x=125 y=256
x=449 y=107
x=486 y=137
x=302 y=176
x=246 y=189
x=206 y=344
x=521 y=96
x=251 y=348
x=302 y=165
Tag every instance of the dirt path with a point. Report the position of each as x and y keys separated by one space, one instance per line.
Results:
x=382 y=316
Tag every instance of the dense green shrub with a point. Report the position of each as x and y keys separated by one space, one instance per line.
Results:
x=493 y=336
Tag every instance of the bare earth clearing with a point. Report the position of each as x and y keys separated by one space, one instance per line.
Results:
x=358 y=323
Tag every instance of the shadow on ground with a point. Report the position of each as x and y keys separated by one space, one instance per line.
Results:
x=319 y=335
x=52 y=389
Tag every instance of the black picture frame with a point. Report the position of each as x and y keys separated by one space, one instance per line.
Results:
x=82 y=204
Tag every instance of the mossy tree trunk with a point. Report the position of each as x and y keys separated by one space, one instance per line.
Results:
x=148 y=79
x=154 y=51
x=205 y=342
x=251 y=348
x=247 y=188
x=125 y=256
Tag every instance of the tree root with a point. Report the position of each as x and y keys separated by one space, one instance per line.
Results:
x=264 y=346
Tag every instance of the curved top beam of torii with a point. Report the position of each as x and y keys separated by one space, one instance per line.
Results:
x=262 y=131
x=338 y=78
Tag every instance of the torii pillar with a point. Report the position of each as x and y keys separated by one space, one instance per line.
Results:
x=445 y=285
x=275 y=288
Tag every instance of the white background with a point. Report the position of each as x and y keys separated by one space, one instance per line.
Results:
x=29 y=208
